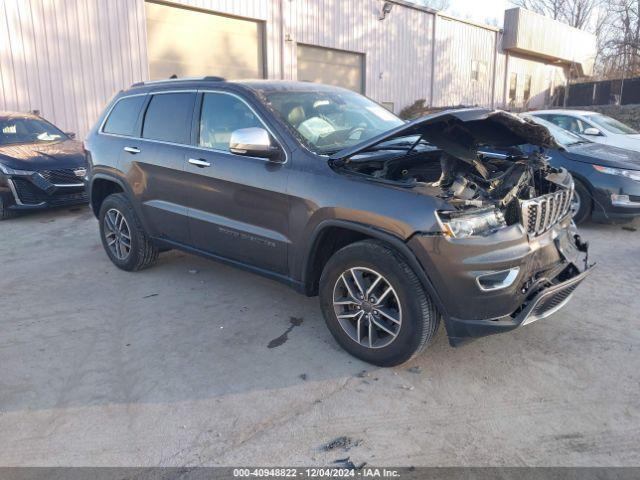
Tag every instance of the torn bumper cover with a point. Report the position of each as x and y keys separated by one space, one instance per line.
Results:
x=533 y=277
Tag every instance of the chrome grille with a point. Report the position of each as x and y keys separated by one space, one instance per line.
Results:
x=541 y=213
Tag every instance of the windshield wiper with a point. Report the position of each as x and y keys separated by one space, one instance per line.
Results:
x=329 y=151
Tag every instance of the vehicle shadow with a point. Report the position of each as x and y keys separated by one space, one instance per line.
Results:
x=81 y=332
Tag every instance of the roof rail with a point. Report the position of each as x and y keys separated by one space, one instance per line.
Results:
x=210 y=78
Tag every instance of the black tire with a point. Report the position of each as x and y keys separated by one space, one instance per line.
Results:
x=142 y=252
x=586 y=205
x=419 y=317
x=5 y=213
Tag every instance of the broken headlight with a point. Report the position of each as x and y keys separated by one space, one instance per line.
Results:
x=471 y=224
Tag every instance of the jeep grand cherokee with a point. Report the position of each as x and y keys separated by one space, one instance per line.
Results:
x=394 y=225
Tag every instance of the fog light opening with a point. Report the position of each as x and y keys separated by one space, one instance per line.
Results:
x=497 y=280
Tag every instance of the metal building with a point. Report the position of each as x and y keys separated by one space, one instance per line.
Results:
x=66 y=58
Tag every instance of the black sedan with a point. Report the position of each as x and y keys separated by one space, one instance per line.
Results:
x=607 y=179
x=40 y=166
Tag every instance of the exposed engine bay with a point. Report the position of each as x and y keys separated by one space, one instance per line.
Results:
x=453 y=160
x=487 y=181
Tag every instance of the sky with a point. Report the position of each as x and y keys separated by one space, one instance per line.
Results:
x=481 y=11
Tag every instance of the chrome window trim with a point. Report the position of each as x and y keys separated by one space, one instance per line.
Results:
x=196 y=147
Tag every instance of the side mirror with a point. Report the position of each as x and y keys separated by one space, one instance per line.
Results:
x=591 y=131
x=254 y=142
x=71 y=135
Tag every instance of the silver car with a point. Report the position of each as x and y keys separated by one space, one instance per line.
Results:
x=594 y=126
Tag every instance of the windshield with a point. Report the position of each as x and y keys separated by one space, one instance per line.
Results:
x=329 y=121
x=560 y=135
x=15 y=130
x=611 y=124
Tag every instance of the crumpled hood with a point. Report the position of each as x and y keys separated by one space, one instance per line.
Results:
x=605 y=155
x=43 y=156
x=462 y=132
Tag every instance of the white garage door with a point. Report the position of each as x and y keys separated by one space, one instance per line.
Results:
x=190 y=43
x=333 y=67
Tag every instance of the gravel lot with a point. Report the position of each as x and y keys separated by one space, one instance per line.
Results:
x=173 y=366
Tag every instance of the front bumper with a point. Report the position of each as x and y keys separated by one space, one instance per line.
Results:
x=541 y=305
x=614 y=197
x=35 y=191
x=549 y=268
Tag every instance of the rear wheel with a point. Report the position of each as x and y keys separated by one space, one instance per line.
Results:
x=580 y=203
x=374 y=304
x=123 y=236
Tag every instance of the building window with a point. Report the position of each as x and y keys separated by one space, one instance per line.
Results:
x=478 y=70
x=387 y=105
x=527 y=88
x=513 y=87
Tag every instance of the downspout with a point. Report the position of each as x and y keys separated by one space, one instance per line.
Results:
x=495 y=72
x=505 y=91
x=281 y=40
x=433 y=58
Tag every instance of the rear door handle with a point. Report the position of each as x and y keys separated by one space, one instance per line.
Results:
x=198 y=162
x=133 y=150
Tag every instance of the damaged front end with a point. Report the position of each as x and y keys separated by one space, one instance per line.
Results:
x=507 y=252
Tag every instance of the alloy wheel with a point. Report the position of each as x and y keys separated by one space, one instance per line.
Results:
x=367 y=307
x=576 y=203
x=117 y=234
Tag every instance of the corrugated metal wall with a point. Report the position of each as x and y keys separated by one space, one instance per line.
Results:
x=458 y=46
x=398 y=48
x=523 y=30
x=542 y=77
x=67 y=58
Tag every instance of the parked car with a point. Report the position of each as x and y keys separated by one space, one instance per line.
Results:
x=607 y=179
x=40 y=166
x=394 y=225
x=594 y=126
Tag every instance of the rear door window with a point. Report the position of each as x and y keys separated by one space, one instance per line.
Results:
x=168 y=117
x=124 y=116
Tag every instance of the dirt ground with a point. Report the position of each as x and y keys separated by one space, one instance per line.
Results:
x=196 y=363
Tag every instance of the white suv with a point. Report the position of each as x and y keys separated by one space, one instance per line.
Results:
x=593 y=125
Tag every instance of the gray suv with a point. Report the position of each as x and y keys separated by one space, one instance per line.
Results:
x=394 y=225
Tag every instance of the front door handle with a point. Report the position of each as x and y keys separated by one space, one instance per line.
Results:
x=133 y=150
x=198 y=162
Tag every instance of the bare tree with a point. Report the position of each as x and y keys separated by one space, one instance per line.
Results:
x=577 y=13
x=434 y=4
x=619 y=39
x=548 y=8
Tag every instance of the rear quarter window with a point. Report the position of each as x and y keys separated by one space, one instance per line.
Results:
x=168 y=117
x=124 y=116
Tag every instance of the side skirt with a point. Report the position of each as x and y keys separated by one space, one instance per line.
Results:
x=290 y=282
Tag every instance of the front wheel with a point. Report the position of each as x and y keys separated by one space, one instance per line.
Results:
x=374 y=304
x=123 y=236
x=580 y=203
